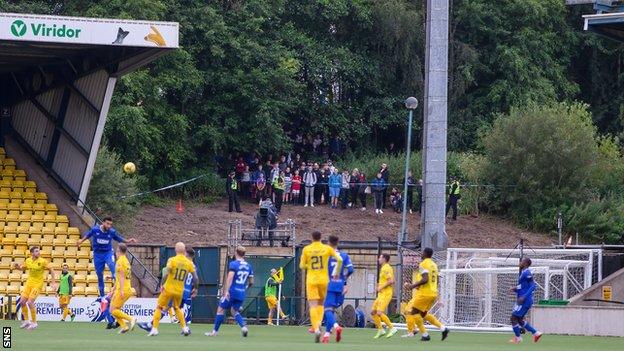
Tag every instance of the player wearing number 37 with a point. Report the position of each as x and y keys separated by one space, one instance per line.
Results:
x=176 y=272
x=239 y=278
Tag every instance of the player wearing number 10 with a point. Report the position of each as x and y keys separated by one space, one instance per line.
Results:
x=178 y=268
x=240 y=277
x=315 y=261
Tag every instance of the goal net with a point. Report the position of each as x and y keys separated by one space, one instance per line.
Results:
x=474 y=283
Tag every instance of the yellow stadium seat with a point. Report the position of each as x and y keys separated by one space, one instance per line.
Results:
x=8 y=242
x=14 y=208
x=20 y=174
x=20 y=259
x=72 y=243
x=23 y=231
x=46 y=241
x=71 y=261
x=51 y=209
x=28 y=198
x=5 y=256
x=8 y=162
x=42 y=198
x=6 y=186
x=81 y=266
x=33 y=242
x=84 y=254
x=15 y=276
x=50 y=291
x=15 y=195
x=54 y=265
x=59 y=242
x=3 y=291
x=35 y=233
x=7 y=174
x=78 y=290
x=58 y=252
x=5 y=194
x=30 y=186
x=60 y=233
x=4 y=276
x=25 y=219
x=5 y=265
x=21 y=242
x=18 y=252
x=92 y=278
x=79 y=278
x=39 y=209
x=48 y=233
x=37 y=221
x=46 y=252
x=71 y=250
x=11 y=220
x=12 y=290
x=17 y=186
x=3 y=210
x=92 y=291
x=62 y=221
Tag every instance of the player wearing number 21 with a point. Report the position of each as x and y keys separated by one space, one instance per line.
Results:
x=315 y=261
x=240 y=277
x=176 y=272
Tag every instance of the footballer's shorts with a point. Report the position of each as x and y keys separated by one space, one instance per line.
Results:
x=421 y=303
x=167 y=297
x=334 y=299
x=117 y=301
x=230 y=303
x=316 y=291
x=64 y=300
x=271 y=301
x=521 y=310
x=381 y=302
x=31 y=291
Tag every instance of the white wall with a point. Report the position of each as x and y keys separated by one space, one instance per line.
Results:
x=579 y=320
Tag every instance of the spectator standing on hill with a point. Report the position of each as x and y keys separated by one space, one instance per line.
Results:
x=288 y=184
x=322 y=189
x=385 y=175
x=396 y=200
x=362 y=190
x=309 y=180
x=240 y=168
x=345 y=189
x=353 y=187
x=409 y=197
x=453 y=197
x=283 y=163
x=279 y=186
x=268 y=168
x=296 y=187
x=231 y=187
x=335 y=182
x=246 y=182
x=378 y=187
x=255 y=177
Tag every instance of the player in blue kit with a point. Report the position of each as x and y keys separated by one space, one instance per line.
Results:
x=102 y=237
x=336 y=291
x=187 y=296
x=240 y=277
x=524 y=292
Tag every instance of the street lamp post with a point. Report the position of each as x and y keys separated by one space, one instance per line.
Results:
x=411 y=103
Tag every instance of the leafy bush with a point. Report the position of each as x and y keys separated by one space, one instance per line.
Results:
x=108 y=185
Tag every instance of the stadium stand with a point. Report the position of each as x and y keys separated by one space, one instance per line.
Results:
x=26 y=220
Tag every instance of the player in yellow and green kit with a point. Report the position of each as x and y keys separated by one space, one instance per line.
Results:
x=122 y=290
x=270 y=293
x=315 y=261
x=425 y=285
x=384 y=296
x=64 y=292
x=35 y=265
x=172 y=289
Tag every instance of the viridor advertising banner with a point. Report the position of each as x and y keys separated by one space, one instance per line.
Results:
x=94 y=31
x=87 y=309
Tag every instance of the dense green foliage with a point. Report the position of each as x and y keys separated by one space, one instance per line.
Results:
x=251 y=74
x=109 y=184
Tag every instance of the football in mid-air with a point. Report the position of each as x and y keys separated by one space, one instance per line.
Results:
x=129 y=168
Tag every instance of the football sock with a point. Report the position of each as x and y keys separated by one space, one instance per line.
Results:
x=420 y=323
x=386 y=320
x=320 y=310
x=25 y=312
x=529 y=327
x=180 y=315
x=433 y=321
x=121 y=317
x=157 y=317
x=377 y=321
x=329 y=320
x=516 y=330
x=411 y=323
x=282 y=314
x=65 y=312
x=33 y=314
x=220 y=318
x=239 y=319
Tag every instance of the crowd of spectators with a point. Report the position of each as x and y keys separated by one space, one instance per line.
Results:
x=289 y=179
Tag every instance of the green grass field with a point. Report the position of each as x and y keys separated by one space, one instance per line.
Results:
x=93 y=337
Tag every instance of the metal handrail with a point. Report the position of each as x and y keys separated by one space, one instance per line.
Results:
x=141 y=272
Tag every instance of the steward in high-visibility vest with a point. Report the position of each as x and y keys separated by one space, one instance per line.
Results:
x=64 y=293
x=454 y=193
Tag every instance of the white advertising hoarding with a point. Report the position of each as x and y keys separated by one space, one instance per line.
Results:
x=87 y=309
x=92 y=31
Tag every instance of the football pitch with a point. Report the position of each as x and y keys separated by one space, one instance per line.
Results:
x=93 y=337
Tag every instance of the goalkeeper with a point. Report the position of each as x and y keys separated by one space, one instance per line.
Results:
x=270 y=293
